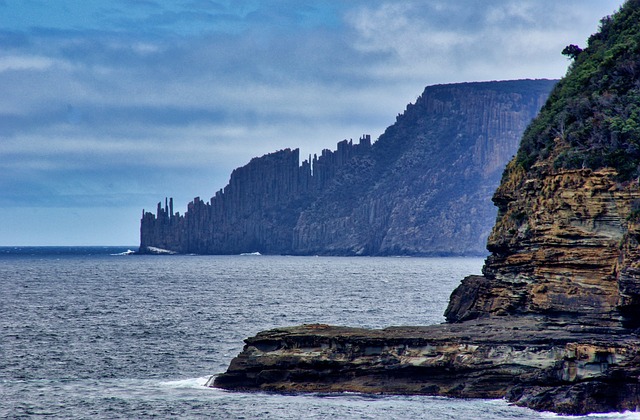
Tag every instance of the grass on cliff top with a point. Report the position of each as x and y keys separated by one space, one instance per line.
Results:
x=595 y=108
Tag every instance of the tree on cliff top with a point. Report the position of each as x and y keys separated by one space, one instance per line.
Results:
x=595 y=109
x=572 y=51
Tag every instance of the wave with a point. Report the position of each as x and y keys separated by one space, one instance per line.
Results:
x=159 y=251
x=127 y=252
x=187 y=383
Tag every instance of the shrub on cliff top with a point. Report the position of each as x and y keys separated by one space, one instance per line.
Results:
x=595 y=108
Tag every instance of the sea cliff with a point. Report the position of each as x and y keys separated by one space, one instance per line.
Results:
x=423 y=188
x=552 y=323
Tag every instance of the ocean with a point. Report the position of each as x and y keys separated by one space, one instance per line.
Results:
x=93 y=332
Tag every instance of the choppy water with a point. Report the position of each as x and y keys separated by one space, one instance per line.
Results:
x=87 y=334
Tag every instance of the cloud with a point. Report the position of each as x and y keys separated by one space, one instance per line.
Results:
x=472 y=40
x=128 y=101
x=17 y=63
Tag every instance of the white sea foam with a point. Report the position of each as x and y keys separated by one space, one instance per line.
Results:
x=127 y=252
x=187 y=383
x=156 y=250
x=617 y=416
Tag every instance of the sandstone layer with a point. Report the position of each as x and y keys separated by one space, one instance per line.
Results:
x=565 y=243
x=537 y=362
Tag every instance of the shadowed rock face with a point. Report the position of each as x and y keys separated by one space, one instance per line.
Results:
x=423 y=188
x=552 y=324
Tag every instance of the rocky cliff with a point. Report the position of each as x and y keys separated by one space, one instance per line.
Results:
x=423 y=188
x=565 y=243
x=566 y=237
x=256 y=211
x=552 y=323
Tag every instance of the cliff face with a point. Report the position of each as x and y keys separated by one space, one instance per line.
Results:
x=423 y=188
x=566 y=238
x=256 y=211
x=566 y=242
x=553 y=322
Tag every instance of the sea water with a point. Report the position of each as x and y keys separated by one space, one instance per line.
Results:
x=97 y=333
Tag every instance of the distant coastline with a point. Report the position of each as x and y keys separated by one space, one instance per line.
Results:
x=51 y=250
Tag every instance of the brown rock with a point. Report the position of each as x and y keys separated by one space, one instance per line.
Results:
x=536 y=362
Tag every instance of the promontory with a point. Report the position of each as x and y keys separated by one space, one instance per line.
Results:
x=552 y=323
x=423 y=188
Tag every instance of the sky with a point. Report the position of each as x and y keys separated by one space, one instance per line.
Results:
x=108 y=107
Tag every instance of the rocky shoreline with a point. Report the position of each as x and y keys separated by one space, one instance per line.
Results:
x=536 y=362
x=552 y=324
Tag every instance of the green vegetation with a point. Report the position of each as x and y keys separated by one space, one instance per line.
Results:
x=594 y=110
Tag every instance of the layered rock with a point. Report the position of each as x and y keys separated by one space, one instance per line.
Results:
x=423 y=188
x=539 y=363
x=552 y=323
x=565 y=243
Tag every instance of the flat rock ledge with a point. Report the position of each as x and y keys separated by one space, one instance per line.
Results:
x=538 y=362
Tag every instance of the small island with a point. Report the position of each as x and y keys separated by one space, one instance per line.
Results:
x=552 y=324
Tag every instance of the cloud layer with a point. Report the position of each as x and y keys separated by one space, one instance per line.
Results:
x=115 y=105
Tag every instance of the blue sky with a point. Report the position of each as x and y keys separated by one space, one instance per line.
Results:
x=107 y=107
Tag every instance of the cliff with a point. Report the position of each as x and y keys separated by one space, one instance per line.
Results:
x=552 y=323
x=256 y=211
x=566 y=237
x=423 y=188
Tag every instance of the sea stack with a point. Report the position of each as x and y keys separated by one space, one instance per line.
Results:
x=552 y=322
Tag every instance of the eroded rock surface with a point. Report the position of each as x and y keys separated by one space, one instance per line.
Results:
x=538 y=362
x=565 y=242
